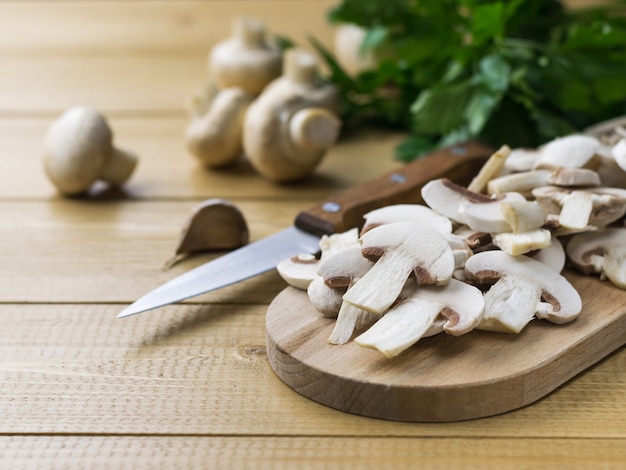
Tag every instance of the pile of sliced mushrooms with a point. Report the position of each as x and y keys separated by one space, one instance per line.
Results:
x=488 y=256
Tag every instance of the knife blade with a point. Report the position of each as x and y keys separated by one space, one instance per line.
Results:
x=336 y=214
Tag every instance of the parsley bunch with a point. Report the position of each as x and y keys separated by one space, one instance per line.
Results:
x=516 y=72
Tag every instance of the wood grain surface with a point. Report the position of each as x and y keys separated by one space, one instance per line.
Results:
x=190 y=385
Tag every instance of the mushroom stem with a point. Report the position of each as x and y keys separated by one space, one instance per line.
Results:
x=314 y=128
x=119 y=166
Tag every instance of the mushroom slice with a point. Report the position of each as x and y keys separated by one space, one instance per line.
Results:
x=552 y=255
x=399 y=249
x=619 y=153
x=523 y=242
x=523 y=215
x=444 y=196
x=521 y=182
x=488 y=216
x=331 y=244
x=572 y=151
x=520 y=159
x=492 y=167
x=602 y=252
x=324 y=299
x=406 y=213
x=579 y=208
x=298 y=271
x=342 y=270
x=523 y=288
x=526 y=181
x=409 y=320
x=474 y=239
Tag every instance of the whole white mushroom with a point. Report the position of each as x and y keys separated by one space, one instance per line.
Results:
x=78 y=151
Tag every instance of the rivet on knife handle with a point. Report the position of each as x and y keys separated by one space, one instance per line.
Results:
x=346 y=209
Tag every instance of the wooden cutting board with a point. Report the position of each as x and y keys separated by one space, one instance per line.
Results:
x=442 y=378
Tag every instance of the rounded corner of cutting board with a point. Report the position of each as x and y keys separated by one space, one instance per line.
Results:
x=441 y=378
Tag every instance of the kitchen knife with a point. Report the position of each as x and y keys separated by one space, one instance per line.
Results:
x=336 y=214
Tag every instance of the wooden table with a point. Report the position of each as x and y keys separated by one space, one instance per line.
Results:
x=189 y=386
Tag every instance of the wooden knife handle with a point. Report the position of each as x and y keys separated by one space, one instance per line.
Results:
x=345 y=210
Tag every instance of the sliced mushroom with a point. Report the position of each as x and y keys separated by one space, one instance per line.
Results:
x=522 y=288
x=492 y=167
x=572 y=151
x=520 y=159
x=520 y=243
x=579 y=208
x=602 y=252
x=619 y=153
x=406 y=213
x=298 y=271
x=553 y=255
x=399 y=249
x=445 y=197
x=324 y=299
x=526 y=181
x=331 y=244
x=489 y=216
x=341 y=271
x=461 y=304
x=523 y=216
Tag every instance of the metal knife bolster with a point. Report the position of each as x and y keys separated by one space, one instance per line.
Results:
x=346 y=209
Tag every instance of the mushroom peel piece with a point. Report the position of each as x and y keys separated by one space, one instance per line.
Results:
x=406 y=213
x=331 y=244
x=602 y=252
x=409 y=320
x=523 y=288
x=399 y=249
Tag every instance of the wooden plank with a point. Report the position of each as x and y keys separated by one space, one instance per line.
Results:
x=167 y=170
x=72 y=251
x=202 y=370
x=308 y=453
x=127 y=27
x=138 y=85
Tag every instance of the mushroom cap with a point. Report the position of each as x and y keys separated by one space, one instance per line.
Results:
x=246 y=59
x=76 y=149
